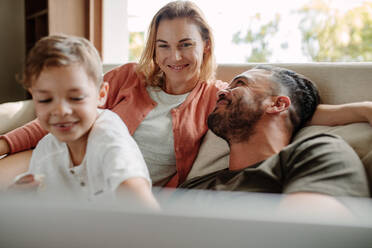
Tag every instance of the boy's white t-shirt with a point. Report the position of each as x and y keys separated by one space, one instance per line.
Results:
x=112 y=156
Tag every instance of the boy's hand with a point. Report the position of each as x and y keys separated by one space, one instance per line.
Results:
x=26 y=182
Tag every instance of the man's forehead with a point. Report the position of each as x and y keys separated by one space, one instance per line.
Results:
x=254 y=75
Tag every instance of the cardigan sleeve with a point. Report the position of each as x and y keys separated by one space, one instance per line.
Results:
x=25 y=137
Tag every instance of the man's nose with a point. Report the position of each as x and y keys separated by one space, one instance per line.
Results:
x=222 y=93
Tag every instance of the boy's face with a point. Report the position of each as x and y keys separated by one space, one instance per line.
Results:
x=66 y=101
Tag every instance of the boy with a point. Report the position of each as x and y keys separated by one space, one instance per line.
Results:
x=88 y=152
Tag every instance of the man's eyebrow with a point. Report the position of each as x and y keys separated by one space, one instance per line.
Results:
x=238 y=77
x=246 y=80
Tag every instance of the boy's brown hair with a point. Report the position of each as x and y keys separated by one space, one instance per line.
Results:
x=62 y=50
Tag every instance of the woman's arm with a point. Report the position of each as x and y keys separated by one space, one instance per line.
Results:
x=22 y=138
x=332 y=115
x=13 y=165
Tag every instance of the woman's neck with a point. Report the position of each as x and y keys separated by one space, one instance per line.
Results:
x=179 y=88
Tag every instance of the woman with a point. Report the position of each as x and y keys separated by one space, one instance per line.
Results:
x=165 y=99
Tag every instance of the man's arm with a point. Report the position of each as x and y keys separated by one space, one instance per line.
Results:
x=342 y=114
x=314 y=205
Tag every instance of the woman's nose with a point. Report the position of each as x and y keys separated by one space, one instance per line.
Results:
x=176 y=54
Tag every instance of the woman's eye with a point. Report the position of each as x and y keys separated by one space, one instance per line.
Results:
x=186 y=45
x=163 y=46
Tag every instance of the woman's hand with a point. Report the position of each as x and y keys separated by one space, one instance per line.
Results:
x=4 y=147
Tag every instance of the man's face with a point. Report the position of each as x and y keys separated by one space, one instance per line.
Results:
x=241 y=105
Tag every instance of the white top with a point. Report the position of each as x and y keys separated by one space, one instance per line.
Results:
x=154 y=135
x=112 y=156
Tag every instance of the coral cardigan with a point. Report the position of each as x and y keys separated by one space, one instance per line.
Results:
x=129 y=99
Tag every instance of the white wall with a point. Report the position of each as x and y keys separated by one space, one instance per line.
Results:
x=12 y=49
x=115 y=40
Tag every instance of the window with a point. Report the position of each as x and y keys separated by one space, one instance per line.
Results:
x=271 y=31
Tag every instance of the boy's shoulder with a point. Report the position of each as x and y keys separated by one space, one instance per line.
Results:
x=108 y=124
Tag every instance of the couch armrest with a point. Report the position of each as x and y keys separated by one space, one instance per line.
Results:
x=15 y=114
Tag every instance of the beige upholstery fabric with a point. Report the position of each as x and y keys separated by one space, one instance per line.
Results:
x=15 y=114
x=213 y=155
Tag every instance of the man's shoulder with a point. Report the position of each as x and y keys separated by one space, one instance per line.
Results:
x=319 y=149
x=315 y=141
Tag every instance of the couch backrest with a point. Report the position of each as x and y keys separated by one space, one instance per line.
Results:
x=337 y=82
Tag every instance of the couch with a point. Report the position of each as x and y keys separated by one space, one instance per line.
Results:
x=337 y=82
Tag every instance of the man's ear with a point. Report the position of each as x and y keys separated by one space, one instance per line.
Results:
x=102 y=94
x=279 y=104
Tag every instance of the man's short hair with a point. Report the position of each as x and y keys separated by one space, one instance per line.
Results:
x=303 y=94
x=62 y=50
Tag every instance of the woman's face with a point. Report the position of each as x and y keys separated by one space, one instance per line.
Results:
x=179 y=51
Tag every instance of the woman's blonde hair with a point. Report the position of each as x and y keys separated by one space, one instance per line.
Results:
x=177 y=9
x=62 y=50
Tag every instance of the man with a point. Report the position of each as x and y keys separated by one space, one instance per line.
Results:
x=257 y=115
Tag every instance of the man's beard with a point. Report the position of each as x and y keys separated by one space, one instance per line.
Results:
x=237 y=123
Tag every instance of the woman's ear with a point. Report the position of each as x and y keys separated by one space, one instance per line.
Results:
x=279 y=104
x=102 y=94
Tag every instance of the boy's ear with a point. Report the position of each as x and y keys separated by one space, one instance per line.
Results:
x=279 y=104
x=102 y=94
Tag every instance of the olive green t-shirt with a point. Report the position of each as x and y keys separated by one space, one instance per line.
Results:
x=321 y=163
